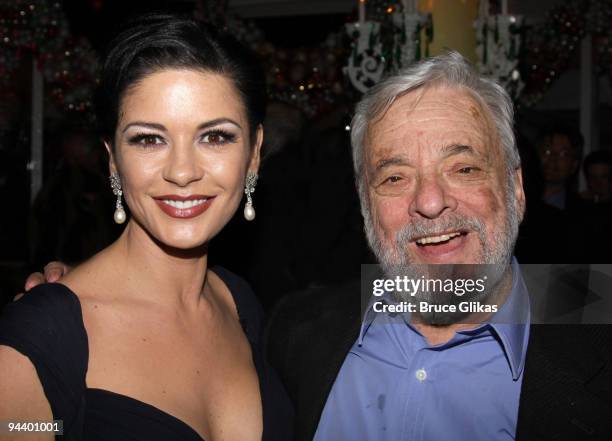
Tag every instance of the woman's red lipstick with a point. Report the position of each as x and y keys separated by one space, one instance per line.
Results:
x=184 y=207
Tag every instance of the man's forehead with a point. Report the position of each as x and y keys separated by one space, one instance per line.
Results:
x=442 y=115
x=560 y=140
x=425 y=103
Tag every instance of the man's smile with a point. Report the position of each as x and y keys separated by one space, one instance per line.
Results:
x=441 y=247
x=440 y=238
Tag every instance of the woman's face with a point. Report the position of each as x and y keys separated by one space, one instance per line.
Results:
x=182 y=150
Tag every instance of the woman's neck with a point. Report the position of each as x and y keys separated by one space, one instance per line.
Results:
x=159 y=273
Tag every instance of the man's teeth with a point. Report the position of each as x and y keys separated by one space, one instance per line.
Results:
x=437 y=239
x=183 y=205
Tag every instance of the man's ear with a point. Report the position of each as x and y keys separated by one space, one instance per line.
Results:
x=519 y=192
x=256 y=149
x=112 y=166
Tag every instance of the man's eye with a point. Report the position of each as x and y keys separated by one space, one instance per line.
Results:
x=392 y=180
x=467 y=170
x=217 y=137
x=147 y=140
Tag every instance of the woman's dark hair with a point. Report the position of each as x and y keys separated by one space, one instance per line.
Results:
x=161 y=41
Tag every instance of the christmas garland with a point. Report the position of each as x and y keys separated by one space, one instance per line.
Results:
x=498 y=42
x=549 y=46
x=308 y=78
x=39 y=29
x=311 y=81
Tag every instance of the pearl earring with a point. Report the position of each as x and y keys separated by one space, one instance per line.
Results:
x=249 y=188
x=119 y=215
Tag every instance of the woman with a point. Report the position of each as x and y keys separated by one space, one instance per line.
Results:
x=144 y=341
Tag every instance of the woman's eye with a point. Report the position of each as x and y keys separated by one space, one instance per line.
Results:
x=147 y=140
x=217 y=137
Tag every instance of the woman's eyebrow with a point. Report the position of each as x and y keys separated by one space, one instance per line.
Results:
x=148 y=125
x=218 y=121
x=202 y=126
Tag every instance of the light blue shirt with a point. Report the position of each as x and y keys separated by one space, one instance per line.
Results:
x=394 y=386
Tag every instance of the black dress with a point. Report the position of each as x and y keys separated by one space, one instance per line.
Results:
x=46 y=325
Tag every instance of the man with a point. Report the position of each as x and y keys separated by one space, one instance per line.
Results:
x=596 y=205
x=560 y=149
x=598 y=174
x=439 y=179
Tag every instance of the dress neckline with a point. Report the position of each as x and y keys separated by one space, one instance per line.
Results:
x=220 y=272
x=134 y=402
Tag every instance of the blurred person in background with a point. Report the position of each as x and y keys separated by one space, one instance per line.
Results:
x=543 y=224
x=560 y=148
x=596 y=207
x=598 y=174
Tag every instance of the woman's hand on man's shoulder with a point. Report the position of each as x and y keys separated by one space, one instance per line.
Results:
x=52 y=272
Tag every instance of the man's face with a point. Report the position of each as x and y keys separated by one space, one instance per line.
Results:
x=599 y=180
x=437 y=184
x=558 y=158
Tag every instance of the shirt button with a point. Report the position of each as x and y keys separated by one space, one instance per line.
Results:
x=421 y=375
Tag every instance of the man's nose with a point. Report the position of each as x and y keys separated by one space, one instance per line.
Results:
x=182 y=166
x=431 y=198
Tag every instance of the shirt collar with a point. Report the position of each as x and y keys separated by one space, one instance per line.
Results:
x=510 y=323
x=368 y=318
